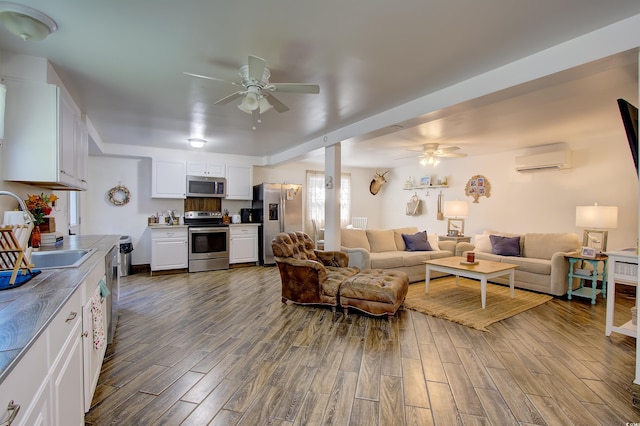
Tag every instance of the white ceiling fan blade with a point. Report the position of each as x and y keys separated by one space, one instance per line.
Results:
x=206 y=77
x=294 y=88
x=448 y=148
x=451 y=155
x=277 y=105
x=230 y=98
x=256 y=67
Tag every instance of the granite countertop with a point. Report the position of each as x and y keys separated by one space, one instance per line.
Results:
x=165 y=226
x=27 y=310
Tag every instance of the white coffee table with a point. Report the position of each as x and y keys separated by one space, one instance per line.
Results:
x=482 y=271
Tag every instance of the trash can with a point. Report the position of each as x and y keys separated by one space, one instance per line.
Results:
x=125 y=255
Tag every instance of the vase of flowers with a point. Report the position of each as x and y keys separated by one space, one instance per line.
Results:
x=39 y=206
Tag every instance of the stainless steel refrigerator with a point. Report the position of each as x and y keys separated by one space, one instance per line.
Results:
x=280 y=206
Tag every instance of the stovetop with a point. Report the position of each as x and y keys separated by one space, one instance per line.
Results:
x=200 y=218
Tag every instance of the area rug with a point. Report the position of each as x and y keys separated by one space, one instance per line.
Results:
x=462 y=304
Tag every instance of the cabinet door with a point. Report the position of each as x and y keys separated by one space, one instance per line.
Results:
x=239 y=183
x=169 y=179
x=243 y=248
x=67 y=142
x=169 y=253
x=202 y=168
x=67 y=382
x=82 y=158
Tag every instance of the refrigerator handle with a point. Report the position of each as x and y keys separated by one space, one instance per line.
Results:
x=283 y=200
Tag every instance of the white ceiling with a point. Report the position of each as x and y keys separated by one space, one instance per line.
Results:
x=124 y=63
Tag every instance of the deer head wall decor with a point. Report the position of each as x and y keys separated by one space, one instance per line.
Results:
x=377 y=182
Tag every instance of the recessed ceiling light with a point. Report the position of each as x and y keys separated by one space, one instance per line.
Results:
x=25 y=22
x=197 y=143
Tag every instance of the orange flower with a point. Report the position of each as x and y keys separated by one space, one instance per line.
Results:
x=39 y=207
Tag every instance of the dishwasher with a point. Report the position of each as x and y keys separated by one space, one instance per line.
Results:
x=113 y=284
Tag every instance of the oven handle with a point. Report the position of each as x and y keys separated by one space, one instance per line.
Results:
x=210 y=230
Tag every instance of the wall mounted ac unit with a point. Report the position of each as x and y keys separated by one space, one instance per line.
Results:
x=554 y=160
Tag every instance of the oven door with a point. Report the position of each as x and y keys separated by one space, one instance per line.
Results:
x=208 y=248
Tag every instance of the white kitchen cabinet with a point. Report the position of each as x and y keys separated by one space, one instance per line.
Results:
x=169 y=249
x=67 y=372
x=47 y=382
x=239 y=182
x=206 y=169
x=169 y=179
x=243 y=244
x=92 y=356
x=44 y=136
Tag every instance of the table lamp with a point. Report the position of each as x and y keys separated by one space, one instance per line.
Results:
x=596 y=219
x=456 y=211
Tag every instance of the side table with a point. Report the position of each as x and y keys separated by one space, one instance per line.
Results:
x=456 y=239
x=586 y=275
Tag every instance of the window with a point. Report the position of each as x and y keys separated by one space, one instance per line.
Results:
x=74 y=213
x=315 y=199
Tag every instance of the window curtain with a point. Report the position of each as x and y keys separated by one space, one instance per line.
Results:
x=315 y=200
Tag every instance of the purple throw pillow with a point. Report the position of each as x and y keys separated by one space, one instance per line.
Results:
x=417 y=241
x=505 y=246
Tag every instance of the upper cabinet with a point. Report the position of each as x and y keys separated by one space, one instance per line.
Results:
x=202 y=168
x=169 y=179
x=46 y=141
x=239 y=182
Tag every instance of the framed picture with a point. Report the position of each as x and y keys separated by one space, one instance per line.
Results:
x=588 y=252
x=425 y=181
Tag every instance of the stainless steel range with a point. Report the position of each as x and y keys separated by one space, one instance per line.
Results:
x=208 y=241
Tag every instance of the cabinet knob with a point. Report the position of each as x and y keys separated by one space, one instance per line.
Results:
x=71 y=317
x=12 y=409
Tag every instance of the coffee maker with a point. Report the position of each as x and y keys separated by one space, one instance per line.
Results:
x=250 y=215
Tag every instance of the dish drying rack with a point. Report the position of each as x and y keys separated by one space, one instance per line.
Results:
x=15 y=253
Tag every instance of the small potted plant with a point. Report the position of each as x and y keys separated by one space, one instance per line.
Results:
x=40 y=206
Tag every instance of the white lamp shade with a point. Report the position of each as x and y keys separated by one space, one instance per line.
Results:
x=456 y=209
x=599 y=217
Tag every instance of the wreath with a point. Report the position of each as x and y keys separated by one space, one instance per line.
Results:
x=119 y=195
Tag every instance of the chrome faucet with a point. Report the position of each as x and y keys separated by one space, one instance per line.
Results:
x=28 y=217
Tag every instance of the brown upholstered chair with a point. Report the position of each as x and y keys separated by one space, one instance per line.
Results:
x=309 y=276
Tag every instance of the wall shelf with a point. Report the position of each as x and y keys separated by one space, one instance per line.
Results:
x=411 y=188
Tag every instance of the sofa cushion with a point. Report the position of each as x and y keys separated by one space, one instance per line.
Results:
x=387 y=259
x=381 y=240
x=417 y=241
x=505 y=246
x=543 y=246
x=397 y=236
x=433 y=241
x=354 y=238
x=530 y=264
x=482 y=243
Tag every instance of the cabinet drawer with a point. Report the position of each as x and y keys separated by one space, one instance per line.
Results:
x=163 y=233
x=242 y=230
x=64 y=323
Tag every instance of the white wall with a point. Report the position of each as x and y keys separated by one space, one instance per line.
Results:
x=602 y=172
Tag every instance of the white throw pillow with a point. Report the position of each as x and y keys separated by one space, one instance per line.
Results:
x=482 y=243
x=433 y=241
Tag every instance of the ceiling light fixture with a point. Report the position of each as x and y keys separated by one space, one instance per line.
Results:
x=429 y=160
x=197 y=143
x=25 y=22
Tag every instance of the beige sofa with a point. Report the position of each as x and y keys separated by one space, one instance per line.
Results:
x=542 y=266
x=385 y=249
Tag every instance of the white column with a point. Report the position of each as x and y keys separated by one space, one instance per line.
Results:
x=332 y=172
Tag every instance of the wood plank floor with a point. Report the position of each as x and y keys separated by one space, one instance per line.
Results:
x=220 y=348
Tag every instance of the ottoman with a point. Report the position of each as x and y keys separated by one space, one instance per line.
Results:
x=374 y=291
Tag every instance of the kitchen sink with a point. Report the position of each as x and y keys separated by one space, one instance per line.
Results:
x=71 y=258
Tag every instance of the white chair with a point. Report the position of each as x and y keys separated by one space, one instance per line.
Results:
x=359 y=222
x=317 y=238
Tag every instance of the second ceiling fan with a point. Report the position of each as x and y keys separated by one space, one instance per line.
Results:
x=257 y=91
x=432 y=152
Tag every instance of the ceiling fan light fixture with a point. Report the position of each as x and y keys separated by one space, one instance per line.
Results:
x=25 y=22
x=265 y=105
x=251 y=100
x=197 y=143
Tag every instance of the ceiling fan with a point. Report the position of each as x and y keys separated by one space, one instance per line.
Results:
x=257 y=91
x=432 y=152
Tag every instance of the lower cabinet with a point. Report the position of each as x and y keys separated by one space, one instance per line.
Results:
x=169 y=249
x=243 y=244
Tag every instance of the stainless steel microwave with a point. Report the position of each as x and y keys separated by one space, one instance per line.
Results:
x=200 y=186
